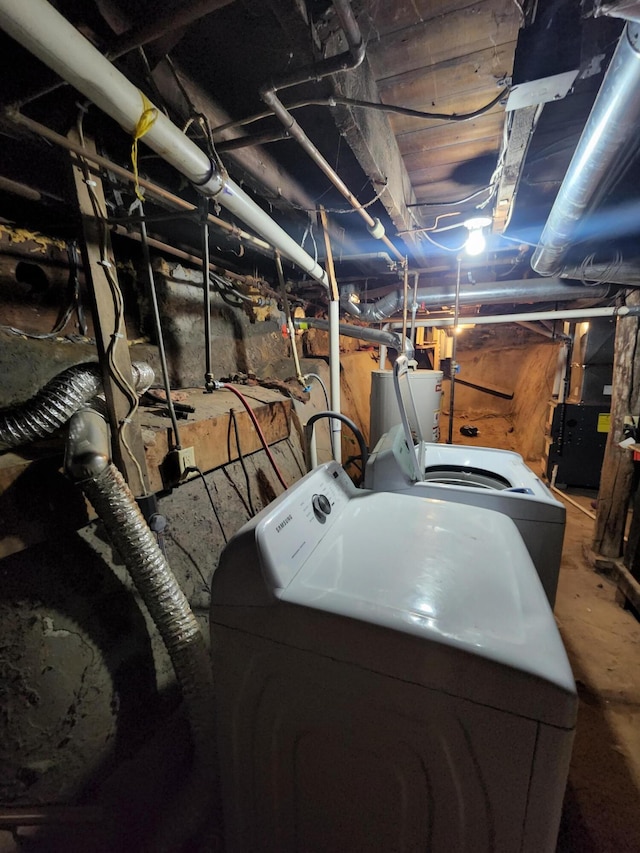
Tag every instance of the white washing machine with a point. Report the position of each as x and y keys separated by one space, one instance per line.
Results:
x=389 y=678
x=403 y=462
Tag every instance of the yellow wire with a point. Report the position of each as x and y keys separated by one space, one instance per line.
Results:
x=144 y=125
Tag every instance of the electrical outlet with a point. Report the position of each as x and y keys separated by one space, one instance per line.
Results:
x=186 y=459
x=176 y=465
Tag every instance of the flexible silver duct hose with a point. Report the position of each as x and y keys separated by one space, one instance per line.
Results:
x=53 y=405
x=170 y=611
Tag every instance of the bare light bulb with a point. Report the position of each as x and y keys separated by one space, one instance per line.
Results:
x=476 y=243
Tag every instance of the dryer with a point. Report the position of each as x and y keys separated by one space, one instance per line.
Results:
x=389 y=677
x=402 y=462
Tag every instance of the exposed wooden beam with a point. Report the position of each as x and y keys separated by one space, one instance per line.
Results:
x=617 y=467
x=111 y=334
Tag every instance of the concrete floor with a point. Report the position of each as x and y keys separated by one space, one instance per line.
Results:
x=602 y=803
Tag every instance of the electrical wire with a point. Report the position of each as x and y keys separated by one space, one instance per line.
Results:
x=451 y=203
x=73 y=287
x=321 y=383
x=364 y=453
x=119 y=330
x=234 y=421
x=368 y=105
x=430 y=239
x=263 y=440
x=611 y=267
x=341 y=210
x=213 y=506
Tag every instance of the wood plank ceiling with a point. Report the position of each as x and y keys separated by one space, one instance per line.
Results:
x=444 y=56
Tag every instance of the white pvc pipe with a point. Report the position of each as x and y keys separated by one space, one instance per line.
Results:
x=566 y=314
x=38 y=27
x=334 y=377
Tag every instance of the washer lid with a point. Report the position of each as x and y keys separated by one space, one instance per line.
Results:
x=409 y=415
x=451 y=575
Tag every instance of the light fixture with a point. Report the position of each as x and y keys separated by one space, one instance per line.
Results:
x=475 y=241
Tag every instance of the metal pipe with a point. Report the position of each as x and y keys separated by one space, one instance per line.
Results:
x=452 y=387
x=334 y=328
x=206 y=294
x=608 y=136
x=157 y=323
x=414 y=307
x=39 y=28
x=483 y=293
x=289 y=319
x=346 y=61
x=361 y=333
x=158 y=192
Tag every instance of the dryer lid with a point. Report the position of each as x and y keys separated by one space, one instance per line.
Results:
x=432 y=592
x=451 y=575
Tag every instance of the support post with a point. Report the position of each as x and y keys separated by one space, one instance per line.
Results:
x=107 y=307
x=617 y=468
x=334 y=340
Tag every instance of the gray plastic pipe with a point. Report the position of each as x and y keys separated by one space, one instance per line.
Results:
x=361 y=333
x=87 y=462
x=38 y=27
x=611 y=130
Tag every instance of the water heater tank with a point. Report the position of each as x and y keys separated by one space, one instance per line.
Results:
x=426 y=387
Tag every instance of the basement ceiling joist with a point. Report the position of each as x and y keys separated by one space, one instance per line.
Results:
x=446 y=57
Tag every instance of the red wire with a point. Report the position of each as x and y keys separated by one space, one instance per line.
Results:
x=254 y=420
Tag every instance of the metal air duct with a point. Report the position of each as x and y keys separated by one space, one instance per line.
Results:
x=483 y=293
x=611 y=128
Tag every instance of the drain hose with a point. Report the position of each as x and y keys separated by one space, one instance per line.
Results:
x=53 y=405
x=181 y=633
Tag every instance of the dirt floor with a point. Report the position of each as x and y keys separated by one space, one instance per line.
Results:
x=602 y=803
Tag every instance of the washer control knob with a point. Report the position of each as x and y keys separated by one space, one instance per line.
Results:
x=321 y=507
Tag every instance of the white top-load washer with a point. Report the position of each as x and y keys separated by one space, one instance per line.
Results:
x=476 y=476
x=389 y=676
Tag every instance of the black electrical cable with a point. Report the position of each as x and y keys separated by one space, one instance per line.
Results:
x=241 y=459
x=452 y=203
x=364 y=452
x=209 y=495
x=368 y=105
